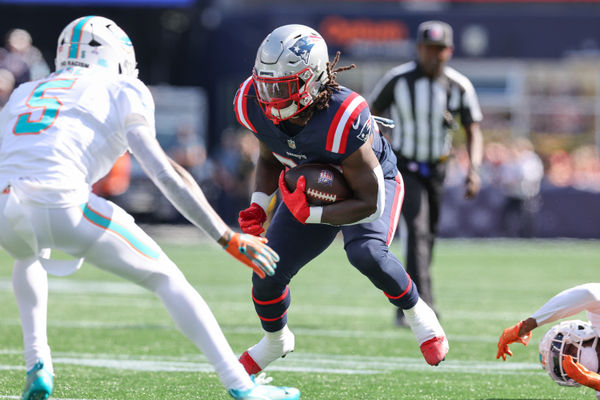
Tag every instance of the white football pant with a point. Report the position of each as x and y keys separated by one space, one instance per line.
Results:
x=107 y=237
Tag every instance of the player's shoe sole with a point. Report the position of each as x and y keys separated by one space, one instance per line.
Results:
x=435 y=350
x=39 y=383
x=266 y=392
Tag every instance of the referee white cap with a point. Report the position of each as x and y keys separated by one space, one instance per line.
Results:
x=435 y=32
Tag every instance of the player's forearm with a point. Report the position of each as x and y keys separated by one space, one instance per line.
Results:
x=348 y=212
x=189 y=200
x=267 y=174
x=527 y=326
x=474 y=145
x=174 y=182
x=366 y=205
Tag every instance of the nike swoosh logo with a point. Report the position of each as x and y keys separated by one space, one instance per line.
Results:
x=356 y=123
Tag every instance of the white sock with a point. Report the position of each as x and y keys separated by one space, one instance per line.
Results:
x=272 y=346
x=423 y=322
x=195 y=320
x=30 y=285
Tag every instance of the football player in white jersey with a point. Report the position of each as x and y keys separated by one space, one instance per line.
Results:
x=570 y=350
x=60 y=134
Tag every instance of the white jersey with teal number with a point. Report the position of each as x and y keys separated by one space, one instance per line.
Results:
x=61 y=134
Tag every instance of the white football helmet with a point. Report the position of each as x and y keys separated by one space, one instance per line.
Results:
x=290 y=68
x=567 y=338
x=96 y=42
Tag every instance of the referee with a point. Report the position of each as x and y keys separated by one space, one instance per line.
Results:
x=425 y=97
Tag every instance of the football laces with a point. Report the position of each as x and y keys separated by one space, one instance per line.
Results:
x=321 y=195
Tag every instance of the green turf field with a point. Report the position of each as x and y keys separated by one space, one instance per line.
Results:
x=112 y=340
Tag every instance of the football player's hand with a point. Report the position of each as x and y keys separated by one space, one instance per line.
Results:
x=580 y=374
x=252 y=251
x=511 y=335
x=295 y=201
x=251 y=219
x=473 y=183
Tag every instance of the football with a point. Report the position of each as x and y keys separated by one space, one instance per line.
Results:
x=325 y=184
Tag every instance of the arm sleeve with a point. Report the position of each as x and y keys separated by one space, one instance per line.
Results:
x=134 y=98
x=181 y=191
x=569 y=302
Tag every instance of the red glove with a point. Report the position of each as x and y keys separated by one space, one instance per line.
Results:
x=252 y=219
x=295 y=201
x=511 y=335
x=580 y=374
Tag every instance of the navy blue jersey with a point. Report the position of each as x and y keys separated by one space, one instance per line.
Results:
x=330 y=136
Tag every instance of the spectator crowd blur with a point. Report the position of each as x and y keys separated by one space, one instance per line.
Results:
x=20 y=61
x=520 y=171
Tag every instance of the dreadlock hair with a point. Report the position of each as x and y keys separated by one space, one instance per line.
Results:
x=321 y=101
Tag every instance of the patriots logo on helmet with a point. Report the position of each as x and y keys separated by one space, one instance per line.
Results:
x=303 y=46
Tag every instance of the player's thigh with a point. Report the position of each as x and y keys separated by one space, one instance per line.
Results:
x=11 y=240
x=115 y=243
x=296 y=243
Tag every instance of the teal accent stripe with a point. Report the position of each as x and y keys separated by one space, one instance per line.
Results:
x=76 y=37
x=108 y=224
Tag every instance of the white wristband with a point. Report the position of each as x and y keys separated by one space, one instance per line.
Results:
x=262 y=199
x=315 y=215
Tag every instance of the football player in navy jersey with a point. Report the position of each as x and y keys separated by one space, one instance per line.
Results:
x=300 y=114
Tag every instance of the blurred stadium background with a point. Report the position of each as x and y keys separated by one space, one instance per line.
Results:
x=535 y=66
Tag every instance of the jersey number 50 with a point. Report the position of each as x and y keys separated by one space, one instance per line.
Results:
x=49 y=105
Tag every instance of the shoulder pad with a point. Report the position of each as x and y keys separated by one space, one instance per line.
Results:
x=348 y=118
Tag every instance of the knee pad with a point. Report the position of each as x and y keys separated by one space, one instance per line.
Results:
x=366 y=255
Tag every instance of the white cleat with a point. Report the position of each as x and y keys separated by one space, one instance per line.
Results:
x=429 y=333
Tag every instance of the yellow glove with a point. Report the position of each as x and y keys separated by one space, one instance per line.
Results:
x=511 y=335
x=252 y=251
x=580 y=374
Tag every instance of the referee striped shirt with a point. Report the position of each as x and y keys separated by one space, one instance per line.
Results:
x=421 y=107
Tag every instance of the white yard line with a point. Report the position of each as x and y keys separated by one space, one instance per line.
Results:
x=331 y=333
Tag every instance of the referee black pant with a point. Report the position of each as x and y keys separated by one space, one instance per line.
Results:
x=423 y=184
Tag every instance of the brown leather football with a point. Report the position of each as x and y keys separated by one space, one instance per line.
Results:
x=325 y=184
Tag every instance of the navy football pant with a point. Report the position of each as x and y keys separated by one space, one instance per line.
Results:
x=366 y=247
